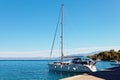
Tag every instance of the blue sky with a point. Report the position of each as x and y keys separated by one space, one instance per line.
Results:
x=29 y=25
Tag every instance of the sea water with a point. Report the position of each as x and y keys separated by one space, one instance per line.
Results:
x=35 y=70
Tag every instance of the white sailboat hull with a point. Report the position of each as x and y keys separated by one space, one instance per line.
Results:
x=72 y=68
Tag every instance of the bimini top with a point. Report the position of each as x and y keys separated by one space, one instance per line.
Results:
x=82 y=60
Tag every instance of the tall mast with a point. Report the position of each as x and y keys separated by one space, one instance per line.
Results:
x=62 y=25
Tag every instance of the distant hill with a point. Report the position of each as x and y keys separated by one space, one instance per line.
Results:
x=107 y=55
x=85 y=54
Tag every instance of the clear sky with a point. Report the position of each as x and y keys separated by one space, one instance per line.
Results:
x=27 y=26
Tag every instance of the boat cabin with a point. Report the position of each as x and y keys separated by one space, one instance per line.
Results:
x=82 y=60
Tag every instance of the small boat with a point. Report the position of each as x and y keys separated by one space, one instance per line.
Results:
x=116 y=63
x=98 y=60
x=76 y=63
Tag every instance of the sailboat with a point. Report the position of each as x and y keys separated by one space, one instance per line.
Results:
x=74 y=63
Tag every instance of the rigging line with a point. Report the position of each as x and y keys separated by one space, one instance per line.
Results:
x=55 y=34
x=62 y=25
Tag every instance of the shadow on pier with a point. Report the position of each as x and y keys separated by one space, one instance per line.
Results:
x=108 y=74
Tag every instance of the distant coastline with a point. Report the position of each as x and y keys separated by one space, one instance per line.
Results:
x=25 y=58
x=110 y=55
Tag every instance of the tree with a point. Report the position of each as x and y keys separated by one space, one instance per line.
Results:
x=119 y=51
x=107 y=55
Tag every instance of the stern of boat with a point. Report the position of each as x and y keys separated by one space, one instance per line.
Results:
x=92 y=68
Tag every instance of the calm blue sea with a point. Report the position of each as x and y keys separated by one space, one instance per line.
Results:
x=35 y=70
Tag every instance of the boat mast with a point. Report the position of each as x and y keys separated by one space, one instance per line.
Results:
x=62 y=25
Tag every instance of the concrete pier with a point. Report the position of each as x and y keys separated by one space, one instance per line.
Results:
x=108 y=74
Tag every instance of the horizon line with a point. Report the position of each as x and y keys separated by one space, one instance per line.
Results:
x=46 y=53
